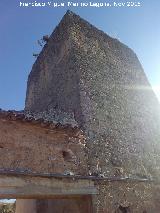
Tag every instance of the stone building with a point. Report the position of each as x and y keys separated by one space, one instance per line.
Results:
x=93 y=89
x=39 y=158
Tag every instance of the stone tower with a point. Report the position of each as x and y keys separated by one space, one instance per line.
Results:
x=100 y=82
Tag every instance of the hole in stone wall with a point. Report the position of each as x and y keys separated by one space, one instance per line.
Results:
x=68 y=155
x=124 y=209
x=1 y=147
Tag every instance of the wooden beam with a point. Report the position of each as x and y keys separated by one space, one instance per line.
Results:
x=38 y=187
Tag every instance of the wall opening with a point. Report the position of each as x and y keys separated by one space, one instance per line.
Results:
x=124 y=209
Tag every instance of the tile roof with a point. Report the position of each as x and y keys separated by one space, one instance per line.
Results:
x=40 y=120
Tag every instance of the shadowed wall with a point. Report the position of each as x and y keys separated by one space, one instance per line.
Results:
x=26 y=206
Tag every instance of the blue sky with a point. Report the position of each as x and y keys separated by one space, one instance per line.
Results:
x=21 y=27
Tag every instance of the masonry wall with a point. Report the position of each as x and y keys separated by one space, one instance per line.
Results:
x=31 y=148
x=53 y=75
x=102 y=82
x=121 y=117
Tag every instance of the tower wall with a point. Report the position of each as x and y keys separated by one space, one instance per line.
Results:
x=53 y=82
x=101 y=81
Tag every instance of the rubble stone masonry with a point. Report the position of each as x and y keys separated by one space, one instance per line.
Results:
x=84 y=72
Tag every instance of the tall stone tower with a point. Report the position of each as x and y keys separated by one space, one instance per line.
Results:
x=84 y=72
